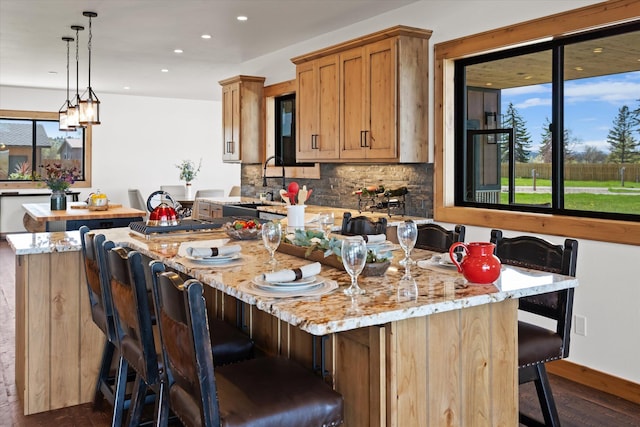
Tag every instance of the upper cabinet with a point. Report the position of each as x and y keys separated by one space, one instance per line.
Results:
x=365 y=100
x=242 y=118
x=317 y=110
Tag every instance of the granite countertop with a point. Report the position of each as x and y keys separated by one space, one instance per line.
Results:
x=439 y=289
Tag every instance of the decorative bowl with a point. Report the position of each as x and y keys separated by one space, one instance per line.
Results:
x=242 y=233
x=374 y=269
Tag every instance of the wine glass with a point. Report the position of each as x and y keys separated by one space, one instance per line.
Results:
x=354 y=256
x=407 y=235
x=271 y=235
x=407 y=289
x=326 y=220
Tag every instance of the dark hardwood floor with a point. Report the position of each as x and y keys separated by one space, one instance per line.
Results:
x=579 y=406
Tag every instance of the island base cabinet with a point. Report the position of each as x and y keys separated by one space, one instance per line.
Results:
x=58 y=347
x=456 y=368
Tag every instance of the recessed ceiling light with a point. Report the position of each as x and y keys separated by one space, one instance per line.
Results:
x=579 y=69
x=206 y=36
x=598 y=50
x=126 y=88
x=177 y=50
x=164 y=70
x=488 y=84
x=528 y=77
x=52 y=72
x=242 y=18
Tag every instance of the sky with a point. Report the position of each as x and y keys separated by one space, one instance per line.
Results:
x=591 y=106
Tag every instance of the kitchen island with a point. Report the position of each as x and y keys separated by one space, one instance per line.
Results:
x=77 y=214
x=448 y=357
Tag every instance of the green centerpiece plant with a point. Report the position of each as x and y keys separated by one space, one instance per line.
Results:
x=316 y=240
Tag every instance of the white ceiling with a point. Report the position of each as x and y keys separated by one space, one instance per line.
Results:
x=134 y=39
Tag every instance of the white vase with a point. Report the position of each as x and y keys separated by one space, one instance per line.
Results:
x=189 y=192
x=295 y=217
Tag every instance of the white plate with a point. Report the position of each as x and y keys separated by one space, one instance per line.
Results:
x=214 y=259
x=302 y=281
x=262 y=284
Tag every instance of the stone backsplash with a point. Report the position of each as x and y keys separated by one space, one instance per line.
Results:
x=338 y=181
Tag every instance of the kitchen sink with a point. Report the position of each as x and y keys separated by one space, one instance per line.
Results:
x=242 y=209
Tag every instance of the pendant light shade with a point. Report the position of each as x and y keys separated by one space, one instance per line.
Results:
x=73 y=112
x=89 y=105
x=62 y=114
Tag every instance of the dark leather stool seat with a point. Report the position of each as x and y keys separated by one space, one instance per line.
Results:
x=536 y=344
x=229 y=345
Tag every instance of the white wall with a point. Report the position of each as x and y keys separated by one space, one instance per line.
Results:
x=141 y=139
x=132 y=152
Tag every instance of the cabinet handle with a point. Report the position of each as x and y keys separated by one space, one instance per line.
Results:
x=230 y=147
x=314 y=141
x=363 y=139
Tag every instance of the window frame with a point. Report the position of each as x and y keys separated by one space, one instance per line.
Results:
x=46 y=115
x=600 y=15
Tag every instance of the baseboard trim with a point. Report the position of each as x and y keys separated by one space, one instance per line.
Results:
x=595 y=379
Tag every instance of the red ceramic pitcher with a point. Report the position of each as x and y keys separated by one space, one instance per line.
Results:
x=479 y=265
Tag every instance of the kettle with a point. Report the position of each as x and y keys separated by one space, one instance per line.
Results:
x=163 y=215
x=98 y=201
x=479 y=265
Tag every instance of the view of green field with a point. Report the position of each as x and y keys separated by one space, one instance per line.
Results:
x=612 y=197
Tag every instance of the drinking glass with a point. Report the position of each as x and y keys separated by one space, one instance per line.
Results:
x=354 y=256
x=271 y=235
x=407 y=235
x=326 y=221
x=407 y=289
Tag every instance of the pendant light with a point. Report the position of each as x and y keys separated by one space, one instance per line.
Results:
x=89 y=106
x=73 y=112
x=62 y=114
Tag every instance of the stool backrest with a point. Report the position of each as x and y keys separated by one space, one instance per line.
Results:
x=362 y=226
x=132 y=312
x=434 y=237
x=186 y=346
x=97 y=279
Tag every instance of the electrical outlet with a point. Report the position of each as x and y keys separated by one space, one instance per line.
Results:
x=580 y=323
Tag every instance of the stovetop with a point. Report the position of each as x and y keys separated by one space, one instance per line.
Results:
x=185 y=225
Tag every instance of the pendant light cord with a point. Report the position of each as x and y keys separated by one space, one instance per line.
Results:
x=89 y=45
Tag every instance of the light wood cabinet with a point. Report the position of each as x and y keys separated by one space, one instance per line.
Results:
x=317 y=110
x=242 y=119
x=206 y=210
x=381 y=102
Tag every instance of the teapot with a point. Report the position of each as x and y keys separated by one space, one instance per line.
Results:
x=479 y=265
x=163 y=215
x=98 y=201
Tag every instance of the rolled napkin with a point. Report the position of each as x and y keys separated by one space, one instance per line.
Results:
x=213 y=252
x=375 y=238
x=291 y=274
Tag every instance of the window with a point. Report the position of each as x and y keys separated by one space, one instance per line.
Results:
x=462 y=172
x=285 y=130
x=31 y=140
x=553 y=127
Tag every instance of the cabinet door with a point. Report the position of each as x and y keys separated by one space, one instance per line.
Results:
x=352 y=101
x=327 y=142
x=231 y=122
x=318 y=110
x=380 y=138
x=306 y=111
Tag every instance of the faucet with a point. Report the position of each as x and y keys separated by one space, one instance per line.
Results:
x=264 y=172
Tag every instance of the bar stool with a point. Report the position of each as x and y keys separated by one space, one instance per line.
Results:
x=269 y=391
x=101 y=312
x=434 y=237
x=538 y=345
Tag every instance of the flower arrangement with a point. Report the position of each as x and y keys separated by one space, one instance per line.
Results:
x=58 y=177
x=317 y=240
x=188 y=170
